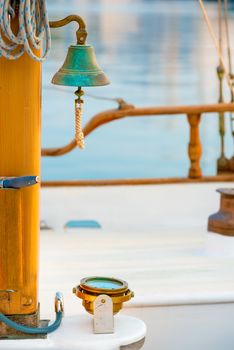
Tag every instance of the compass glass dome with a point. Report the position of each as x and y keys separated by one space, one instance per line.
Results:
x=104 y=283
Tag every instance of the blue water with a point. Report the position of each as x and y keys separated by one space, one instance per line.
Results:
x=155 y=53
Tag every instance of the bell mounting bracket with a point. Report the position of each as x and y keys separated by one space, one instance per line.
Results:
x=81 y=33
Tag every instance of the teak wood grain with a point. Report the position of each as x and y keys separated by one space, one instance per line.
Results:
x=20 y=125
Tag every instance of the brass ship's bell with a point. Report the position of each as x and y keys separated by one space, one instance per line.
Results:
x=80 y=68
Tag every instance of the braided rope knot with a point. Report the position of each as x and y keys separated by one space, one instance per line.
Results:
x=79 y=135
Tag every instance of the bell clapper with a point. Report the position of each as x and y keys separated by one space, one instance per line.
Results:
x=79 y=135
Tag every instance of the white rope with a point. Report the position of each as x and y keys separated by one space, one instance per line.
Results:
x=79 y=136
x=33 y=29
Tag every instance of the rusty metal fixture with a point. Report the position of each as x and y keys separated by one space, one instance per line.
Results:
x=223 y=221
x=90 y=288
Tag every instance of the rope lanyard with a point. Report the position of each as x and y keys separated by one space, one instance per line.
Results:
x=33 y=29
x=79 y=136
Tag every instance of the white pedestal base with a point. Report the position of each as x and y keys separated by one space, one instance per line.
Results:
x=76 y=333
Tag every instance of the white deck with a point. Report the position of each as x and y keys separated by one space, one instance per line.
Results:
x=154 y=237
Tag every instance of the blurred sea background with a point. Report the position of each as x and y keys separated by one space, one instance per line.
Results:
x=155 y=52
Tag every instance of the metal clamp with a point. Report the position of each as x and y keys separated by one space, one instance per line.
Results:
x=59 y=302
x=18 y=182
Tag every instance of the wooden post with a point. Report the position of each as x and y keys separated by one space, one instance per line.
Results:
x=20 y=125
x=194 y=147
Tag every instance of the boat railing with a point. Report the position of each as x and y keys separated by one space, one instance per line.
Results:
x=193 y=113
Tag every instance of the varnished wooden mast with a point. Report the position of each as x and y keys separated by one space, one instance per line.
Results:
x=20 y=125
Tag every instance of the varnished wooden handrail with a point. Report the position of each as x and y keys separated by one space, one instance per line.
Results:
x=193 y=113
x=131 y=111
x=133 y=182
x=170 y=110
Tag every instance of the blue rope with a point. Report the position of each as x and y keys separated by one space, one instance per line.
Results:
x=30 y=330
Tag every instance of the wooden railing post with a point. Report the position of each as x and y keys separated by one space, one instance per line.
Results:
x=194 y=147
